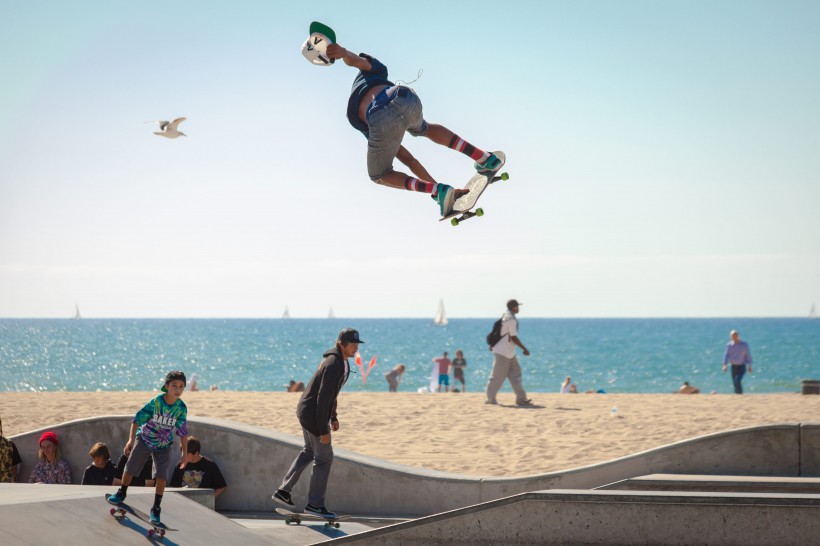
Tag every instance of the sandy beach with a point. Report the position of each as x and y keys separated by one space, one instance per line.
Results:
x=457 y=432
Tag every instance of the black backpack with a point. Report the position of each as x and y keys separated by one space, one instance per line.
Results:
x=495 y=334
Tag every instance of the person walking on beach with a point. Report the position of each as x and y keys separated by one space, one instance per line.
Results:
x=505 y=364
x=459 y=363
x=152 y=435
x=738 y=355
x=316 y=412
x=383 y=111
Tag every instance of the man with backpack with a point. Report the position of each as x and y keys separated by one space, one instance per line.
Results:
x=502 y=341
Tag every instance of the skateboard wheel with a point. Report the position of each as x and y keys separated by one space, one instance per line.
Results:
x=162 y=533
x=454 y=221
x=150 y=532
x=505 y=176
x=113 y=511
x=287 y=522
x=479 y=212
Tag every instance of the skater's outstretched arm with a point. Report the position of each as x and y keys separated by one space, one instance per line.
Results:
x=335 y=51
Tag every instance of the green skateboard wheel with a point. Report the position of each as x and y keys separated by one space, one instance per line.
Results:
x=479 y=212
x=454 y=221
x=505 y=176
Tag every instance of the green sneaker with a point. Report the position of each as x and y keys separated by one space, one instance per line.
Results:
x=116 y=498
x=445 y=198
x=492 y=164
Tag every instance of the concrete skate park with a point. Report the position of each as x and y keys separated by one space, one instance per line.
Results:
x=757 y=485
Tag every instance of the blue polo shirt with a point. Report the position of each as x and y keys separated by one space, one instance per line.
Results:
x=377 y=75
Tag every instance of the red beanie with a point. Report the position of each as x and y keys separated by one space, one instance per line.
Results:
x=50 y=436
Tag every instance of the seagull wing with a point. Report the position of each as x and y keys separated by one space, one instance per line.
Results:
x=162 y=125
x=174 y=124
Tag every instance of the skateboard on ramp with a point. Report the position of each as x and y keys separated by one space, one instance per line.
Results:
x=119 y=511
x=463 y=207
x=297 y=517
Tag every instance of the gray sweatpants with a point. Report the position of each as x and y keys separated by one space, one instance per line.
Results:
x=321 y=456
x=505 y=368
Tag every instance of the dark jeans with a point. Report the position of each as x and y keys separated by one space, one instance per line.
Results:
x=737 y=375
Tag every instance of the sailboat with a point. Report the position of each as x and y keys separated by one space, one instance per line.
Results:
x=441 y=317
x=286 y=314
x=76 y=312
x=331 y=314
x=812 y=312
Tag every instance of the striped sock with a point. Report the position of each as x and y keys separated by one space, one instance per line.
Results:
x=460 y=145
x=414 y=184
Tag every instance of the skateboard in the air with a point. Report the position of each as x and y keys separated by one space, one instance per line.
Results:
x=463 y=207
x=120 y=509
x=297 y=517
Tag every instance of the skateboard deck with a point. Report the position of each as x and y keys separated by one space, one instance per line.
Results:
x=297 y=517
x=119 y=510
x=463 y=207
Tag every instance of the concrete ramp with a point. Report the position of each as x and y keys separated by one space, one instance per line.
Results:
x=78 y=515
x=574 y=517
x=735 y=484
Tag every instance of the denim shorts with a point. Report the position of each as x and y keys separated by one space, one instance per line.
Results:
x=395 y=110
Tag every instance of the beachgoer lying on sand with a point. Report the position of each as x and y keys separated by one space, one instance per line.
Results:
x=686 y=388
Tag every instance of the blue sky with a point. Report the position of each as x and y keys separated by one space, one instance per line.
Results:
x=663 y=159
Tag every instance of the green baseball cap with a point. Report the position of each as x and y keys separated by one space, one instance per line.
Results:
x=316 y=26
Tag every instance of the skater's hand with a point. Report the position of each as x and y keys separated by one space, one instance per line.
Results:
x=128 y=447
x=724 y=368
x=334 y=425
x=183 y=461
x=335 y=51
x=526 y=352
x=324 y=439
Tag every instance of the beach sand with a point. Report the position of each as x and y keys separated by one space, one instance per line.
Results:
x=456 y=432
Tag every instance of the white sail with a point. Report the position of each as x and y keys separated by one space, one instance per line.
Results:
x=441 y=316
x=286 y=314
x=77 y=312
x=812 y=312
x=331 y=314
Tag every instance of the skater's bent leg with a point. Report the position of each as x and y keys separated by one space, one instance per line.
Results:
x=444 y=136
x=439 y=134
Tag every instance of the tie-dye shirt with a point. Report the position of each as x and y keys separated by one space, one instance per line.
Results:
x=158 y=422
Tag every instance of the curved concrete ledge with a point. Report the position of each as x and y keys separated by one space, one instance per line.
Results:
x=253 y=461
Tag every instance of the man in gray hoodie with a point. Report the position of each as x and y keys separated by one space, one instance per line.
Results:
x=317 y=415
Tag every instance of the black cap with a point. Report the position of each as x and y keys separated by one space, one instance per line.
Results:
x=173 y=376
x=349 y=335
x=513 y=303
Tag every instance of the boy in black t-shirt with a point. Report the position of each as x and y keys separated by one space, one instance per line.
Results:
x=199 y=472
x=102 y=470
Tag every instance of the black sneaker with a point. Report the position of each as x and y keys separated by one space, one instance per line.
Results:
x=319 y=511
x=283 y=496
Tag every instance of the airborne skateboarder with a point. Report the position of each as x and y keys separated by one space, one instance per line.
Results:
x=383 y=111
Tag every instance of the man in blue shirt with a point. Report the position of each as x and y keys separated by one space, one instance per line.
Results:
x=738 y=355
x=383 y=112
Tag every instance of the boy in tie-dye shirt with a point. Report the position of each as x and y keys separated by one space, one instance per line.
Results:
x=152 y=435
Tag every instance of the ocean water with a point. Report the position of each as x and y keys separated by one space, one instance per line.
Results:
x=617 y=355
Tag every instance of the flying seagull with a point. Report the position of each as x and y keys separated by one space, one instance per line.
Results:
x=169 y=129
